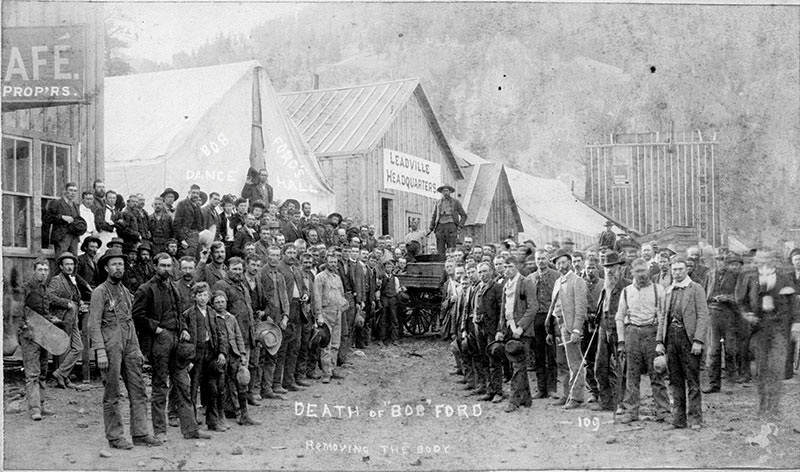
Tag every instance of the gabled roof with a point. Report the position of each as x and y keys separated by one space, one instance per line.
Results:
x=484 y=180
x=351 y=120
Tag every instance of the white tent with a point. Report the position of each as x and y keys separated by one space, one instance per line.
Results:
x=206 y=126
x=547 y=207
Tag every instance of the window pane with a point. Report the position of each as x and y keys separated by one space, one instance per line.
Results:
x=45 y=227
x=23 y=167
x=8 y=167
x=15 y=221
x=62 y=168
x=48 y=171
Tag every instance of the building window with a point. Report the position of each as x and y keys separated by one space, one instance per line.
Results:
x=55 y=175
x=17 y=193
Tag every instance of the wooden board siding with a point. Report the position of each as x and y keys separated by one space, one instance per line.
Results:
x=671 y=184
x=500 y=223
x=77 y=126
x=353 y=176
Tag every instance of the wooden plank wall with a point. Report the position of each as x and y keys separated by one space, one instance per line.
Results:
x=500 y=222
x=670 y=185
x=78 y=126
x=358 y=179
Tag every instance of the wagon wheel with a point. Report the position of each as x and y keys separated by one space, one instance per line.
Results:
x=420 y=311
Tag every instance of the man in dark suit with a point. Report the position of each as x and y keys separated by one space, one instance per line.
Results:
x=543 y=280
x=68 y=294
x=59 y=216
x=277 y=310
x=488 y=299
x=256 y=187
x=448 y=217
x=291 y=227
x=188 y=222
x=87 y=267
x=517 y=312
x=297 y=294
x=353 y=282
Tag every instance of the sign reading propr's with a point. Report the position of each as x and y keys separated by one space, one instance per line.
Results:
x=410 y=173
x=44 y=65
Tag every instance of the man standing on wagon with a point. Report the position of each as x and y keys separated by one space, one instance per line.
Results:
x=448 y=217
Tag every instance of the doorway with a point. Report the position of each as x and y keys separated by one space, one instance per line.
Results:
x=386 y=216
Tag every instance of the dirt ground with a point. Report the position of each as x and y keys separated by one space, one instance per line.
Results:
x=386 y=434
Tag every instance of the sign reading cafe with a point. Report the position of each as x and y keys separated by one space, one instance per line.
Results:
x=44 y=65
x=410 y=173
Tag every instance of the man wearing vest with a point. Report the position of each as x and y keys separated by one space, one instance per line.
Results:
x=637 y=323
x=448 y=217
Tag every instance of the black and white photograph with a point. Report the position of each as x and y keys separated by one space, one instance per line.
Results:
x=418 y=236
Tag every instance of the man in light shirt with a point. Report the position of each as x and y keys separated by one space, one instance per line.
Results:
x=86 y=210
x=637 y=323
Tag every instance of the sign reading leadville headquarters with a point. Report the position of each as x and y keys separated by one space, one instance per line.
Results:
x=410 y=173
x=44 y=65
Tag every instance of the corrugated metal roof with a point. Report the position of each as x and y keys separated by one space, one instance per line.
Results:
x=351 y=120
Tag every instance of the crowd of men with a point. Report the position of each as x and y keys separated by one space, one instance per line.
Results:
x=241 y=299
x=228 y=301
x=594 y=322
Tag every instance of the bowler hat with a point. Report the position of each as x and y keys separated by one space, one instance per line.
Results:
x=243 y=375
x=115 y=241
x=110 y=254
x=169 y=190
x=144 y=246
x=321 y=338
x=66 y=255
x=77 y=227
x=660 y=364
x=270 y=335
x=258 y=204
x=612 y=259
x=609 y=223
x=559 y=254
x=89 y=239
x=335 y=215
x=446 y=186
x=496 y=350
x=515 y=351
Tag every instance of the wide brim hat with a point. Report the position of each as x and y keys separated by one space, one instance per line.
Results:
x=335 y=215
x=612 y=259
x=515 y=351
x=206 y=237
x=270 y=335
x=559 y=254
x=628 y=243
x=660 y=364
x=66 y=255
x=115 y=241
x=609 y=223
x=496 y=349
x=258 y=204
x=170 y=190
x=144 y=246
x=670 y=249
x=293 y=202
x=734 y=257
x=446 y=186
x=78 y=226
x=110 y=254
x=322 y=337
x=89 y=239
x=567 y=240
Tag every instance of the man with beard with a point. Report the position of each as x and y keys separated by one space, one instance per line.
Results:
x=144 y=264
x=170 y=196
x=246 y=234
x=118 y=355
x=291 y=227
x=682 y=327
x=307 y=360
x=594 y=285
x=276 y=309
x=305 y=218
x=185 y=285
x=87 y=267
x=263 y=244
x=353 y=281
x=488 y=298
x=257 y=187
x=567 y=315
x=297 y=294
x=724 y=318
x=171 y=248
x=67 y=293
x=637 y=325
x=216 y=270
x=240 y=305
x=143 y=219
x=157 y=313
x=188 y=222
x=517 y=313
x=329 y=302
x=160 y=225
x=543 y=280
x=700 y=269
x=128 y=223
x=610 y=375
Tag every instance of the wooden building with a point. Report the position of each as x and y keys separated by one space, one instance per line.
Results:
x=52 y=116
x=492 y=213
x=651 y=182
x=381 y=148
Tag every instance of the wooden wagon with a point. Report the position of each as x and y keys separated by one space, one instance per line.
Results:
x=422 y=281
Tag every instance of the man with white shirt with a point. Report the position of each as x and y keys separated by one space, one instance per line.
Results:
x=565 y=317
x=86 y=210
x=637 y=324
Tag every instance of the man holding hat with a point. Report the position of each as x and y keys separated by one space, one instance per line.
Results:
x=67 y=293
x=329 y=303
x=59 y=215
x=488 y=298
x=566 y=316
x=448 y=217
x=118 y=355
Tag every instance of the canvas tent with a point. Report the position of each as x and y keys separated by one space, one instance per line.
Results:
x=547 y=208
x=206 y=125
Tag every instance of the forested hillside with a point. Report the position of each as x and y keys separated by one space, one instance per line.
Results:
x=530 y=85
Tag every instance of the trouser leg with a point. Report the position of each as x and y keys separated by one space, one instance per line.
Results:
x=347 y=320
x=164 y=345
x=112 y=416
x=677 y=376
x=520 y=388
x=294 y=331
x=330 y=353
x=280 y=358
x=605 y=371
x=576 y=377
x=544 y=356
x=589 y=351
x=255 y=365
x=34 y=361
x=134 y=383
x=74 y=353
x=714 y=347
x=635 y=360
x=301 y=371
